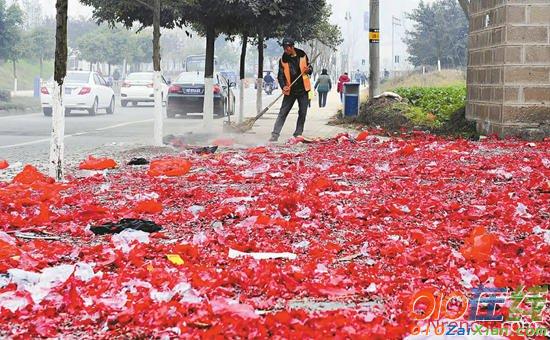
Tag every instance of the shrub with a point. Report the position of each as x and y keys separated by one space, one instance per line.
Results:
x=4 y=95
x=440 y=102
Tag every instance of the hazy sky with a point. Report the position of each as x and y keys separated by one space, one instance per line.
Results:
x=354 y=32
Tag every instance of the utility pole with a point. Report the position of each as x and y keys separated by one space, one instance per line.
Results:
x=374 y=50
x=394 y=22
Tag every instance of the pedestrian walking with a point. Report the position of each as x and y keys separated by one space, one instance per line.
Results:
x=323 y=85
x=293 y=65
x=358 y=76
x=344 y=78
x=364 y=79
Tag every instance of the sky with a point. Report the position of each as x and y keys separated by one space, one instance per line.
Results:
x=353 y=33
x=359 y=37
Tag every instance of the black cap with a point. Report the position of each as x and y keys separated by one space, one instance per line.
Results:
x=288 y=42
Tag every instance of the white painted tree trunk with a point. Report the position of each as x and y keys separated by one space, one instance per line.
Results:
x=259 y=104
x=438 y=65
x=241 y=101
x=208 y=108
x=158 y=111
x=58 y=131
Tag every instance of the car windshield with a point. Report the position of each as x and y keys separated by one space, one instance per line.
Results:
x=191 y=77
x=140 y=77
x=77 y=78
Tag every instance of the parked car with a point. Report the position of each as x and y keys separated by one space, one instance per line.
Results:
x=138 y=88
x=186 y=95
x=231 y=76
x=83 y=90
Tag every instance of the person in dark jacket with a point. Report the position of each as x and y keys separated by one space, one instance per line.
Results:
x=323 y=85
x=293 y=66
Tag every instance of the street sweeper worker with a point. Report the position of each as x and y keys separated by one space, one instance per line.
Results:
x=294 y=65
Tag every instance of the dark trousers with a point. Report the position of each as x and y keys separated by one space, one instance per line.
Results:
x=323 y=99
x=288 y=103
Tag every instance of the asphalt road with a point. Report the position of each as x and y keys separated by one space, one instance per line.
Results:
x=26 y=138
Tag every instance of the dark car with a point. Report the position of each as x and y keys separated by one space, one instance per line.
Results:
x=186 y=95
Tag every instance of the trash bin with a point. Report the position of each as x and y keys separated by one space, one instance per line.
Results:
x=351 y=99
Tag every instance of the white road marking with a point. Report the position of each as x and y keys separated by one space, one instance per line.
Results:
x=123 y=124
x=45 y=140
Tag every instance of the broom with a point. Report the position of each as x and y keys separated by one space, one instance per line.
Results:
x=248 y=124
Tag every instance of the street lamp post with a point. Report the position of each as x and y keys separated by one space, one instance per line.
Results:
x=395 y=22
x=349 y=40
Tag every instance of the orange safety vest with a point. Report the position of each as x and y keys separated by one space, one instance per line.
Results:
x=303 y=68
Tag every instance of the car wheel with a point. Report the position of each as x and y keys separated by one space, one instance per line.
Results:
x=123 y=103
x=111 y=108
x=135 y=103
x=93 y=110
x=47 y=111
x=170 y=114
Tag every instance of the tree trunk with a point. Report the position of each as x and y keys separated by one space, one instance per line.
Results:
x=41 y=67
x=158 y=116
x=259 y=105
x=465 y=4
x=14 y=63
x=109 y=68
x=242 y=74
x=208 y=106
x=58 y=114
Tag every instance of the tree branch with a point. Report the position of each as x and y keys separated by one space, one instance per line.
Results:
x=149 y=6
x=465 y=4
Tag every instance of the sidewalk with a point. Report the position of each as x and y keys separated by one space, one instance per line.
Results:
x=316 y=123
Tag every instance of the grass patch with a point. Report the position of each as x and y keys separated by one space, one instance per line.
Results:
x=27 y=70
x=21 y=104
x=445 y=78
x=432 y=106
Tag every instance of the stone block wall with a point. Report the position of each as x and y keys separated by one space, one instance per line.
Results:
x=509 y=67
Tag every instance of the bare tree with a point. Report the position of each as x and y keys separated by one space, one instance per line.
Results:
x=465 y=4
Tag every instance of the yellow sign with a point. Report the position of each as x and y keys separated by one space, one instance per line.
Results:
x=374 y=35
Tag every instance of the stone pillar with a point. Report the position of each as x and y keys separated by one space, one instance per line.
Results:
x=509 y=67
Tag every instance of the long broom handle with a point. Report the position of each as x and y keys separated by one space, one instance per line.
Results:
x=259 y=115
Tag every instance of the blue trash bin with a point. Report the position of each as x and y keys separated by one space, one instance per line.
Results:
x=352 y=99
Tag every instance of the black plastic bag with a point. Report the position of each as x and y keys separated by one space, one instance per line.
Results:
x=126 y=223
x=138 y=161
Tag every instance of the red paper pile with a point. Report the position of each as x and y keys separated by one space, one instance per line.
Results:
x=371 y=224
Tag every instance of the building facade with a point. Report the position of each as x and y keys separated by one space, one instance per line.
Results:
x=509 y=67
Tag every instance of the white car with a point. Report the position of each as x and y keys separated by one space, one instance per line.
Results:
x=138 y=88
x=83 y=90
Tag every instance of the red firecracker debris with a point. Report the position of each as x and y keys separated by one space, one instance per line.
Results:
x=369 y=225
x=169 y=167
x=93 y=163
